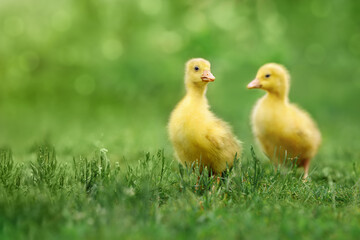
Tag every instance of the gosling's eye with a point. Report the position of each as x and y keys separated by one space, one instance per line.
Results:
x=196 y=68
x=267 y=75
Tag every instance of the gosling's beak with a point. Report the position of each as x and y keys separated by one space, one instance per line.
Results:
x=254 y=84
x=207 y=76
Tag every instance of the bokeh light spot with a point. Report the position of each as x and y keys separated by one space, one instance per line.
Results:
x=167 y=41
x=61 y=21
x=195 y=21
x=151 y=7
x=274 y=28
x=224 y=16
x=112 y=48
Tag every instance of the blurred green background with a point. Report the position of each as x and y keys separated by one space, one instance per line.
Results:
x=88 y=74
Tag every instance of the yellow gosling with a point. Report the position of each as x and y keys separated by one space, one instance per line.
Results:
x=196 y=134
x=282 y=129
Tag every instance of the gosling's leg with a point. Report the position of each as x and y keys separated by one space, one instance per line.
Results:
x=306 y=165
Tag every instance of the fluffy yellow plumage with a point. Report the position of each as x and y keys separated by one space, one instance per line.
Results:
x=195 y=132
x=282 y=129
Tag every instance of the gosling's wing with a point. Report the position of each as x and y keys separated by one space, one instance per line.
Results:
x=305 y=126
x=220 y=136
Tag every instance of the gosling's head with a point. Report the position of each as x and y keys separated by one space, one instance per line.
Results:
x=197 y=72
x=273 y=78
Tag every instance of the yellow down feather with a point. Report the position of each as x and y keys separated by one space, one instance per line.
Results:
x=196 y=134
x=282 y=129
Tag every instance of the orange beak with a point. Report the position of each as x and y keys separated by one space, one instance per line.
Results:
x=254 y=84
x=207 y=76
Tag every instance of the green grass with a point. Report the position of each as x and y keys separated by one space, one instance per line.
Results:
x=156 y=198
x=82 y=76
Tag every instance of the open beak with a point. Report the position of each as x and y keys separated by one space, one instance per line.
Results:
x=254 y=84
x=207 y=76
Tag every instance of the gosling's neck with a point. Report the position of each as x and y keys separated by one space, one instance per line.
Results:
x=196 y=91
x=277 y=96
x=279 y=92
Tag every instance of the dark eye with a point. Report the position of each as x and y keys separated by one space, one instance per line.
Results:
x=267 y=75
x=196 y=68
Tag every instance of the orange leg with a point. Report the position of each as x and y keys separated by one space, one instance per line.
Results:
x=306 y=165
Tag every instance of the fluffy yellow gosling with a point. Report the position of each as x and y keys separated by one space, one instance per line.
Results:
x=197 y=135
x=282 y=129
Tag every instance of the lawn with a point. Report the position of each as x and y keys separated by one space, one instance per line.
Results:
x=86 y=91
